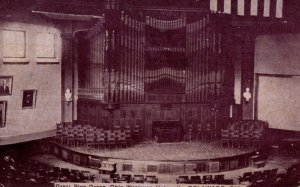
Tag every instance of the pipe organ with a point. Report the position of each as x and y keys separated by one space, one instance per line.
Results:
x=153 y=56
x=205 y=72
x=132 y=60
x=156 y=64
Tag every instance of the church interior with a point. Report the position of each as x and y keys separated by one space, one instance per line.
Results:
x=150 y=91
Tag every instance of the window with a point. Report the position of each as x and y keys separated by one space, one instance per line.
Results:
x=14 y=46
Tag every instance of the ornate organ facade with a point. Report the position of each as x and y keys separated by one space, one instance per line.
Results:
x=137 y=66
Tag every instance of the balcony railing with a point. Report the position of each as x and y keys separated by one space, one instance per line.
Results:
x=92 y=93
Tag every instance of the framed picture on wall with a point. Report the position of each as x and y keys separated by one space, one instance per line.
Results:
x=3 y=108
x=6 y=85
x=29 y=99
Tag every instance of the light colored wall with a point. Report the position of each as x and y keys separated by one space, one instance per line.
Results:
x=45 y=78
x=278 y=54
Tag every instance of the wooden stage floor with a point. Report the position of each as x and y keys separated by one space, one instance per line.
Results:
x=178 y=151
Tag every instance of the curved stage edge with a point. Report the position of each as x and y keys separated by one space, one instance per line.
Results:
x=90 y=160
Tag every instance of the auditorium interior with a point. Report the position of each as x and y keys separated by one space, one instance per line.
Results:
x=150 y=91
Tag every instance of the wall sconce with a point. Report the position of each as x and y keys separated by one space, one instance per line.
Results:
x=247 y=94
x=68 y=96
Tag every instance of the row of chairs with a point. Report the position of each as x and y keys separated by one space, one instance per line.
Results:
x=258 y=175
x=73 y=134
x=244 y=133
x=27 y=171
x=127 y=178
x=206 y=179
x=200 y=131
x=270 y=178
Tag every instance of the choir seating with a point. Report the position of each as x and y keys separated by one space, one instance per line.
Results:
x=89 y=137
x=136 y=133
x=188 y=133
x=208 y=131
x=199 y=133
x=79 y=136
x=244 y=133
x=59 y=132
x=81 y=133
x=205 y=131
x=110 y=138
x=121 y=139
x=70 y=135
x=100 y=138
x=127 y=130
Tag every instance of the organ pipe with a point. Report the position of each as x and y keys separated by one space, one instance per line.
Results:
x=133 y=73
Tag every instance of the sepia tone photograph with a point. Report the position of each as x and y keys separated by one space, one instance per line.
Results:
x=3 y=105
x=29 y=98
x=5 y=85
x=141 y=93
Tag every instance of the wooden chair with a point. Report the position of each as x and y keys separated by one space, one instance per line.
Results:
x=126 y=177
x=59 y=133
x=79 y=136
x=111 y=138
x=234 y=134
x=207 y=179
x=100 y=138
x=208 y=132
x=121 y=139
x=259 y=128
x=257 y=175
x=127 y=131
x=225 y=139
x=138 y=179
x=196 y=180
x=183 y=180
x=70 y=139
x=247 y=176
x=199 y=132
x=151 y=179
x=246 y=134
x=136 y=133
x=90 y=137
x=219 y=179
x=65 y=132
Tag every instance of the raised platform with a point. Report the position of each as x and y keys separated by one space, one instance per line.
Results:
x=171 y=158
x=178 y=151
